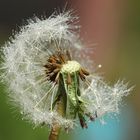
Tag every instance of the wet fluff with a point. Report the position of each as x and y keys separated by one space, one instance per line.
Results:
x=46 y=54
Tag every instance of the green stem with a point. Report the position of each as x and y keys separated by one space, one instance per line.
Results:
x=60 y=105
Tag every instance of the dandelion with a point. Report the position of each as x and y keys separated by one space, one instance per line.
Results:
x=51 y=80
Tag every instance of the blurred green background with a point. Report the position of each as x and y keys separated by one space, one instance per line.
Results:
x=115 y=26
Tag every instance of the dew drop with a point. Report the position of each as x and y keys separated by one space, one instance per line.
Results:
x=99 y=66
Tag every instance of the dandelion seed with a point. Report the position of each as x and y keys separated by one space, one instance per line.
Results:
x=49 y=79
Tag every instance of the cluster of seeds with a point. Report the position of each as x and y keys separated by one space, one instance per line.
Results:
x=61 y=63
x=62 y=60
x=52 y=44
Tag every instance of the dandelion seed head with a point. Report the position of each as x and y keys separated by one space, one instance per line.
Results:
x=33 y=60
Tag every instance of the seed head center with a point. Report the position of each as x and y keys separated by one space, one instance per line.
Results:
x=70 y=67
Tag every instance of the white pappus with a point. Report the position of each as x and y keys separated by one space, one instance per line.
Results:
x=27 y=59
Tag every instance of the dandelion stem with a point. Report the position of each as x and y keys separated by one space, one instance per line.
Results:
x=54 y=134
x=61 y=110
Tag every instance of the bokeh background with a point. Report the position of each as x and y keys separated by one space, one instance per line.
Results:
x=113 y=27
